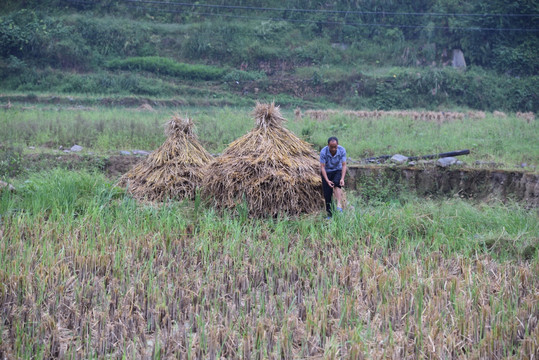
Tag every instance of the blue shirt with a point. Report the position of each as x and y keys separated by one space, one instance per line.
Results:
x=333 y=163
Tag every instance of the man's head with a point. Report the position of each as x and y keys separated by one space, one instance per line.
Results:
x=333 y=142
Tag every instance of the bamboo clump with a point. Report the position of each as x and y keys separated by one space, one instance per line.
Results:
x=269 y=168
x=174 y=170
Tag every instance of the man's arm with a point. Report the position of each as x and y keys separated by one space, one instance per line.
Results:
x=343 y=173
x=325 y=175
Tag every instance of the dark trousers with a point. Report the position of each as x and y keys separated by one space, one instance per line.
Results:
x=334 y=176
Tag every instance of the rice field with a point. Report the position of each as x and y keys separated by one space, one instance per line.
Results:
x=87 y=271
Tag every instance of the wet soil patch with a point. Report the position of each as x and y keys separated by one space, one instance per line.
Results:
x=120 y=164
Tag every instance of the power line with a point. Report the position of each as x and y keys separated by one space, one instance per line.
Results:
x=153 y=7
x=357 y=12
x=333 y=22
x=242 y=7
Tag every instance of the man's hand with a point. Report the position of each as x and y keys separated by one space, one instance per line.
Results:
x=341 y=182
x=325 y=176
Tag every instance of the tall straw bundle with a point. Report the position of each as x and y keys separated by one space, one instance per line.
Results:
x=270 y=168
x=174 y=170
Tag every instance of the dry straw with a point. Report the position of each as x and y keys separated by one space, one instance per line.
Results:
x=269 y=168
x=174 y=170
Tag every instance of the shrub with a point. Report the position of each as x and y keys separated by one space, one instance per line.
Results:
x=239 y=75
x=258 y=51
x=520 y=60
x=70 y=53
x=23 y=33
x=11 y=161
x=109 y=36
x=166 y=66
x=318 y=51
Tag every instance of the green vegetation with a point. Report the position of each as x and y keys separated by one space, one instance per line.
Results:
x=97 y=274
x=499 y=138
x=86 y=271
x=166 y=66
x=343 y=55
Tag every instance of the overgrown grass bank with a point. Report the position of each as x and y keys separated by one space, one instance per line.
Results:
x=323 y=86
x=86 y=271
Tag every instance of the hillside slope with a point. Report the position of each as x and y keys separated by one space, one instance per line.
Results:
x=297 y=53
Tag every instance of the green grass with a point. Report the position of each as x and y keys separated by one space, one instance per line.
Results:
x=86 y=270
x=166 y=66
x=509 y=140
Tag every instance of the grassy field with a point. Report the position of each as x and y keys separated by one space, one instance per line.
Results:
x=88 y=272
x=506 y=139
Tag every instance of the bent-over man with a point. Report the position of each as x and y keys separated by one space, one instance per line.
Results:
x=333 y=170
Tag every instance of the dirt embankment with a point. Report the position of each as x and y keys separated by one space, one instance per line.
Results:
x=481 y=184
x=113 y=166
